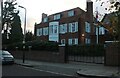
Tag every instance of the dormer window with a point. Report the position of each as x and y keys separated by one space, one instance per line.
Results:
x=71 y=13
x=45 y=19
x=56 y=17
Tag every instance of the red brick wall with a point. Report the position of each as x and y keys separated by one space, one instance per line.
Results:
x=42 y=55
x=112 y=55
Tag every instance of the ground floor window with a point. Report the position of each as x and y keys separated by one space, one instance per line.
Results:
x=87 y=40
x=73 y=41
x=62 y=41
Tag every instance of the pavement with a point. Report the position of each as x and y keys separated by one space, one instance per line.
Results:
x=72 y=68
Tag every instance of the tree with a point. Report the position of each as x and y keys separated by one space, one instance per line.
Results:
x=114 y=7
x=11 y=24
x=16 y=30
x=29 y=36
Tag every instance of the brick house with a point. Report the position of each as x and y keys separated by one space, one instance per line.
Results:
x=74 y=26
x=105 y=29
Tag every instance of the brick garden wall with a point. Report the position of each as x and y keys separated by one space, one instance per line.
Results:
x=112 y=55
x=41 y=55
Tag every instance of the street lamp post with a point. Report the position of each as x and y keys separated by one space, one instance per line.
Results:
x=97 y=34
x=24 y=33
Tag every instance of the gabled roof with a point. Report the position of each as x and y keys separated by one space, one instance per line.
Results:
x=67 y=11
x=107 y=17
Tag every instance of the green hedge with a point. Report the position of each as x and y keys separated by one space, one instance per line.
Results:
x=35 y=45
x=86 y=50
x=81 y=50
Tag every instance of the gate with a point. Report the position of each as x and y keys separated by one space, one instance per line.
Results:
x=85 y=53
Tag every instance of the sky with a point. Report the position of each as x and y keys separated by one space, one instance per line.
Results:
x=35 y=8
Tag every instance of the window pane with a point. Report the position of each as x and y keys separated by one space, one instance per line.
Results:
x=87 y=41
x=56 y=16
x=45 y=19
x=76 y=40
x=63 y=28
x=87 y=27
x=55 y=29
x=63 y=41
x=70 y=41
x=51 y=29
x=70 y=27
x=45 y=31
x=37 y=32
x=76 y=26
x=40 y=32
x=71 y=13
x=73 y=27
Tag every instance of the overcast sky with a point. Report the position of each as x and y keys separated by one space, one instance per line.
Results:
x=36 y=7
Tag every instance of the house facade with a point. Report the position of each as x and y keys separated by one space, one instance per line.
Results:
x=72 y=27
x=104 y=29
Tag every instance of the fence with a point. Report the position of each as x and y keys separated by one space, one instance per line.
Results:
x=85 y=53
x=87 y=59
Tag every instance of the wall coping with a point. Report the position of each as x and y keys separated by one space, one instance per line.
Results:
x=61 y=45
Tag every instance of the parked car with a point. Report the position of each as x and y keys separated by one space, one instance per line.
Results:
x=6 y=57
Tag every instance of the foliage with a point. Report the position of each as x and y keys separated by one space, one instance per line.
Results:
x=11 y=24
x=16 y=30
x=86 y=50
x=34 y=45
x=114 y=6
x=8 y=13
x=29 y=36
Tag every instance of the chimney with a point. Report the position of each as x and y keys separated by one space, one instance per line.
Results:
x=89 y=13
x=44 y=16
x=90 y=9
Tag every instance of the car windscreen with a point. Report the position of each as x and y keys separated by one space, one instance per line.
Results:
x=5 y=53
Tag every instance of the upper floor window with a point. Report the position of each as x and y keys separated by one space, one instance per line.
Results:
x=39 y=32
x=45 y=19
x=56 y=17
x=73 y=27
x=63 y=28
x=71 y=13
x=45 y=31
x=87 y=27
x=53 y=29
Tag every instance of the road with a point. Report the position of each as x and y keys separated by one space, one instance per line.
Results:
x=22 y=71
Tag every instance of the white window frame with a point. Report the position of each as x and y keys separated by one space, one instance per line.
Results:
x=73 y=25
x=45 y=31
x=69 y=41
x=87 y=27
x=73 y=41
x=71 y=13
x=63 y=28
x=63 y=41
x=51 y=29
x=87 y=40
x=101 y=30
x=57 y=16
x=39 y=32
x=45 y=19
x=76 y=41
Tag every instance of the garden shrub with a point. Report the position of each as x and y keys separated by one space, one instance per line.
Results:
x=35 y=45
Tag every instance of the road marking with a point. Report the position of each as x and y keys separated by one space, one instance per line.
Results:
x=47 y=71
